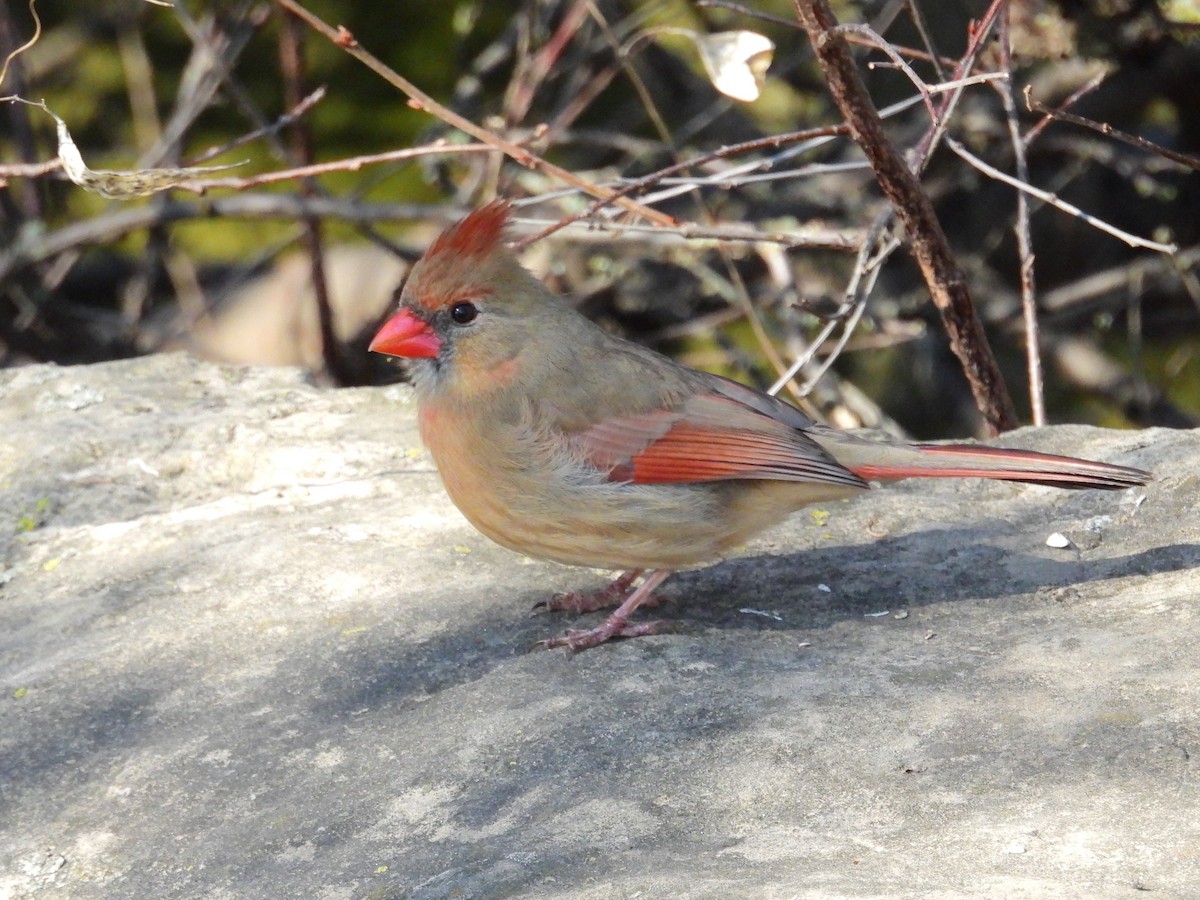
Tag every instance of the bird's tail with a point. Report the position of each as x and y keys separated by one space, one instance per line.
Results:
x=973 y=461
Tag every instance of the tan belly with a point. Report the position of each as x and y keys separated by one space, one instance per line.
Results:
x=544 y=507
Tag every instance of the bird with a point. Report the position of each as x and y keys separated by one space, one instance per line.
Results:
x=564 y=442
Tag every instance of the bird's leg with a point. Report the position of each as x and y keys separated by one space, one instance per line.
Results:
x=616 y=625
x=612 y=595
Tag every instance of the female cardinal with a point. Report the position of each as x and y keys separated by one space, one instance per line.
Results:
x=561 y=441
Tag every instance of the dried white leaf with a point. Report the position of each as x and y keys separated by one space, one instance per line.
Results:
x=736 y=61
x=120 y=185
x=1058 y=541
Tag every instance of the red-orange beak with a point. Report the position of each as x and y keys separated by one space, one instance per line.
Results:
x=405 y=334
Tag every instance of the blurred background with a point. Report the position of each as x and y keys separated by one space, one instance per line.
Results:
x=300 y=271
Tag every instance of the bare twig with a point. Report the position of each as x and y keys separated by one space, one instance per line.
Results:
x=872 y=39
x=874 y=249
x=980 y=32
x=32 y=249
x=213 y=56
x=26 y=202
x=1032 y=134
x=744 y=10
x=284 y=121
x=36 y=248
x=420 y=100
x=1057 y=202
x=522 y=90
x=1108 y=288
x=1184 y=159
x=30 y=170
x=139 y=82
x=37 y=33
x=945 y=280
x=292 y=66
x=846 y=241
x=918 y=18
x=353 y=164
x=1033 y=355
x=772 y=142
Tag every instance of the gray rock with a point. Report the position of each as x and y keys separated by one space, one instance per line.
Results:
x=249 y=649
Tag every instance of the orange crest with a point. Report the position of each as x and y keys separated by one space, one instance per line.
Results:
x=475 y=237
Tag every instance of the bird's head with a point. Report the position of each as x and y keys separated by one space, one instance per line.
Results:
x=467 y=310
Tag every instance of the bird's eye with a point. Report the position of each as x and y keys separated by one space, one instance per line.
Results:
x=464 y=312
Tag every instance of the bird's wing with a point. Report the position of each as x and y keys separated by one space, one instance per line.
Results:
x=713 y=435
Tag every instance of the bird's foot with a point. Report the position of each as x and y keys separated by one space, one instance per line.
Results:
x=613 y=594
x=618 y=624
x=581 y=639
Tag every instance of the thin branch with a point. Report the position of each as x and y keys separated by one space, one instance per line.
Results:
x=632 y=187
x=29 y=170
x=743 y=10
x=32 y=249
x=1058 y=203
x=874 y=40
x=111 y=226
x=1184 y=159
x=1033 y=355
x=872 y=253
x=292 y=67
x=946 y=283
x=979 y=34
x=420 y=100
x=846 y=241
x=213 y=57
x=37 y=33
x=523 y=88
x=352 y=164
x=1108 y=288
x=1076 y=95
x=918 y=19
x=284 y=121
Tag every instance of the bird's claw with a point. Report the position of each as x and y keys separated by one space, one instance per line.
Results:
x=577 y=639
x=570 y=601
x=613 y=595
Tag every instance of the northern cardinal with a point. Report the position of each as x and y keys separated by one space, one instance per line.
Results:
x=563 y=442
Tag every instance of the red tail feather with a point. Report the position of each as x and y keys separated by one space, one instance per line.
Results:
x=970 y=461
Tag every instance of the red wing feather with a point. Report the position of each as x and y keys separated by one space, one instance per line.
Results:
x=708 y=438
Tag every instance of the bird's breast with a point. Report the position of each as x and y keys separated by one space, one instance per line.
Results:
x=522 y=486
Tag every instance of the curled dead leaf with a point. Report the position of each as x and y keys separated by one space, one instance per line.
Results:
x=120 y=185
x=736 y=61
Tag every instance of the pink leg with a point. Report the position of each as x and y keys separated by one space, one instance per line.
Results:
x=613 y=595
x=616 y=625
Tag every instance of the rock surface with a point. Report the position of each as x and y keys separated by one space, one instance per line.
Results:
x=249 y=649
